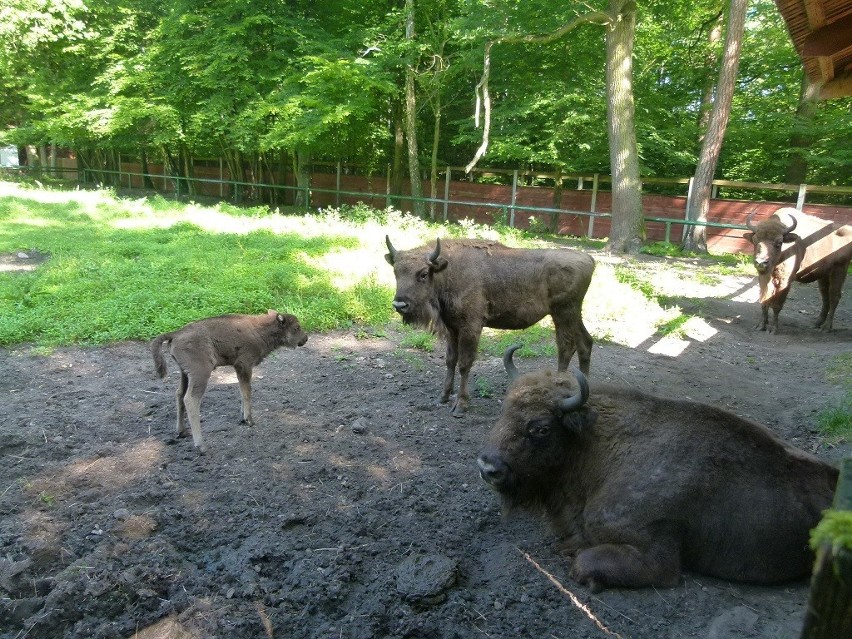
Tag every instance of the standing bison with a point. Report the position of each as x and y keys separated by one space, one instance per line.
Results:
x=461 y=286
x=818 y=250
x=640 y=487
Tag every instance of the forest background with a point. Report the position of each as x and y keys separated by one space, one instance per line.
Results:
x=268 y=84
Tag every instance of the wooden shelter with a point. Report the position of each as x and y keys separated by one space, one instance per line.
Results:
x=821 y=31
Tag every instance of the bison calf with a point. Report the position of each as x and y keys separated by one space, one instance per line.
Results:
x=818 y=250
x=241 y=341
x=639 y=486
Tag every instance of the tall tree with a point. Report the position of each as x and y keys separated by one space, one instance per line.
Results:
x=627 y=231
x=411 y=114
x=695 y=238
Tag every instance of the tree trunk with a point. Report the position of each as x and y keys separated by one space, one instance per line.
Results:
x=829 y=611
x=301 y=163
x=411 y=118
x=802 y=136
x=713 y=38
x=433 y=172
x=695 y=238
x=628 y=228
x=398 y=151
x=147 y=182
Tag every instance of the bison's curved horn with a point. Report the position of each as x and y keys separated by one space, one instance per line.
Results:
x=391 y=249
x=792 y=227
x=434 y=254
x=509 y=365
x=575 y=401
x=751 y=227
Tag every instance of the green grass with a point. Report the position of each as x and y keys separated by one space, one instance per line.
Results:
x=835 y=421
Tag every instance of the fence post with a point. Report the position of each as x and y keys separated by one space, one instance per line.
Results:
x=593 y=205
x=800 y=201
x=221 y=179
x=447 y=193
x=514 y=197
x=387 y=188
x=337 y=194
x=689 y=185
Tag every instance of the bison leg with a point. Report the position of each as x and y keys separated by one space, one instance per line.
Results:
x=181 y=410
x=244 y=377
x=192 y=400
x=626 y=566
x=467 y=344
x=830 y=290
x=451 y=360
x=571 y=337
x=764 y=318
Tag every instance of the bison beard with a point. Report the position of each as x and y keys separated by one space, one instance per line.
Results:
x=637 y=486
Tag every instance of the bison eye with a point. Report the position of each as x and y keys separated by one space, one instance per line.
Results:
x=778 y=243
x=423 y=275
x=538 y=428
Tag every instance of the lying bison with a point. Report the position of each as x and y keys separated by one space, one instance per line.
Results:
x=818 y=250
x=461 y=286
x=640 y=487
x=241 y=341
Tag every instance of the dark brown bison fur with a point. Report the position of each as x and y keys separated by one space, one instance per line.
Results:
x=639 y=487
x=241 y=341
x=458 y=287
x=791 y=246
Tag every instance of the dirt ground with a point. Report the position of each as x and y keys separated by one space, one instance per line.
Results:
x=353 y=509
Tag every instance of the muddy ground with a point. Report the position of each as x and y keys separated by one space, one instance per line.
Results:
x=353 y=508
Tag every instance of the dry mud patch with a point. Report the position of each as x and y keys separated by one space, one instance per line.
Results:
x=353 y=508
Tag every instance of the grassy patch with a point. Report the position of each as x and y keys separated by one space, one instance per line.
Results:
x=836 y=421
x=131 y=268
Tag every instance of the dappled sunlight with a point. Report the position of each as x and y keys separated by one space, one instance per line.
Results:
x=346 y=268
x=116 y=472
x=694 y=329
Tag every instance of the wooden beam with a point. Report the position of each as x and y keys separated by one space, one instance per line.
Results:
x=839 y=87
x=829 y=39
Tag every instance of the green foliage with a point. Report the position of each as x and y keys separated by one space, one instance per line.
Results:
x=418 y=340
x=834 y=531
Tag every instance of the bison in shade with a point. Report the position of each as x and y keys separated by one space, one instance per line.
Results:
x=462 y=286
x=640 y=487
x=241 y=341
x=818 y=250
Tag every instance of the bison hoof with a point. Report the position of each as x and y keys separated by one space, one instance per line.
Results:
x=248 y=422
x=458 y=409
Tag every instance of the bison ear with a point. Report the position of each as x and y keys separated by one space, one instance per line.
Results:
x=438 y=264
x=749 y=236
x=790 y=237
x=577 y=421
x=389 y=258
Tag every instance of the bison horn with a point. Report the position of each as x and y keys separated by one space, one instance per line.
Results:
x=509 y=365
x=434 y=255
x=391 y=249
x=575 y=401
x=751 y=226
x=790 y=228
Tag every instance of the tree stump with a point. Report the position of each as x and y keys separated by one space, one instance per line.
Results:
x=829 y=614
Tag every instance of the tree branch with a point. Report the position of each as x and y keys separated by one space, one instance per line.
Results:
x=483 y=98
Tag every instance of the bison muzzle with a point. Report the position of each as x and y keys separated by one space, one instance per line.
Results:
x=458 y=287
x=241 y=341
x=639 y=487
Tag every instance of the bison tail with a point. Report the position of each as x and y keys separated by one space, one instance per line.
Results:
x=157 y=354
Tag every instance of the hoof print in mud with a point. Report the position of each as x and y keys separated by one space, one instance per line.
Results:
x=425 y=579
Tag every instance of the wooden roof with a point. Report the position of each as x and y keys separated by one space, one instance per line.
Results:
x=821 y=31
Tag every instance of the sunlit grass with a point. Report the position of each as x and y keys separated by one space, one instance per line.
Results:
x=123 y=269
